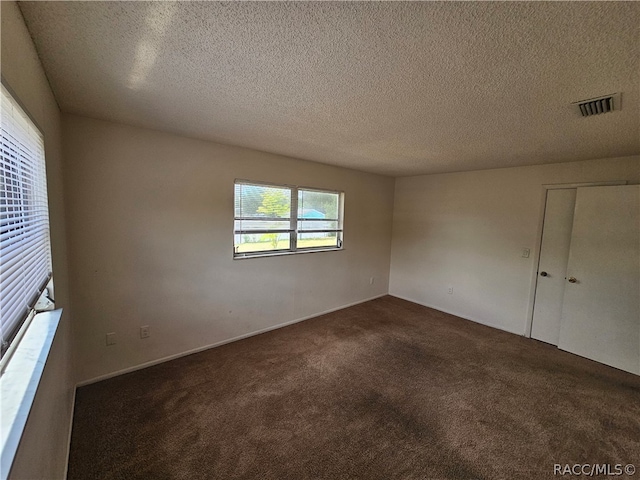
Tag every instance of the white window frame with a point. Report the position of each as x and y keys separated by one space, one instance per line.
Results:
x=293 y=230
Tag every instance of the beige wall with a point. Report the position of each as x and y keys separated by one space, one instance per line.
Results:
x=151 y=233
x=43 y=447
x=467 y=230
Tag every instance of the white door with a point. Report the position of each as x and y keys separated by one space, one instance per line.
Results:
x=601 y=308
x=552 y=267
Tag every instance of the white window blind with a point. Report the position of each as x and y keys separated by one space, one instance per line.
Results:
x=25 y=251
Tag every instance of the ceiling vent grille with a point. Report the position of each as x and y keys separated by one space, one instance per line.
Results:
x=596 y=106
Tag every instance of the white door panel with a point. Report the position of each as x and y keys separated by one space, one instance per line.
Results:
x=552 y=267
x=601 y=310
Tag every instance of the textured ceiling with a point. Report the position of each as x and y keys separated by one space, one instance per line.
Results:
x=394 y=88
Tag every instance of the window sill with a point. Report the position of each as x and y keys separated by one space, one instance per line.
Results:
x=19 y=383
x=286 y=253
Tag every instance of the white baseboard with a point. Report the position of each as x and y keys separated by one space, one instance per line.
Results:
x=220 y=343
x=475 y=320
x=73 y=411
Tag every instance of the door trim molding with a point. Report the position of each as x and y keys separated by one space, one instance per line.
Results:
x=538 y=245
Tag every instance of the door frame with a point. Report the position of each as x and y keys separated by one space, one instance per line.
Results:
x=533 y=284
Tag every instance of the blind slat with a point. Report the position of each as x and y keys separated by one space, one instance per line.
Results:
x=20 y=244
x=24 y=230
x=21 y=270
x=24 y=290
x=9 y=276
x=15 y=250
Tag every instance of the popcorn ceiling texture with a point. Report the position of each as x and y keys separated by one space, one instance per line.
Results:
x=393 y=88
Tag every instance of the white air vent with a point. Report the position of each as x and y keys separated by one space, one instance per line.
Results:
x=596 y=106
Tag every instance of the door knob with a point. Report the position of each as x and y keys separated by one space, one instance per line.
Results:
x=543 y=274
x=572 y=280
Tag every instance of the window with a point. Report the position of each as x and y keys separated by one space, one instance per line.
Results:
x=25 y=251
x=272 y=219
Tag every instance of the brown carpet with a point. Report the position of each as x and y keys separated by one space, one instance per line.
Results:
x=383 y=390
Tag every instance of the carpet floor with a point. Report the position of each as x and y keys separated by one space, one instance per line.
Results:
x=383 y=390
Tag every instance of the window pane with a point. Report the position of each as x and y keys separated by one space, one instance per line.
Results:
x=318 y=205
x=315 y=240
x=261 y=242
x=262 y=225
x=263 y=219
x=317 y=225
x=256 y=201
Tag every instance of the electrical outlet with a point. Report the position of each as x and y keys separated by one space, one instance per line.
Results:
x=371 y=280
x=111 y=338
x=450 y=290
x=144 y=331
